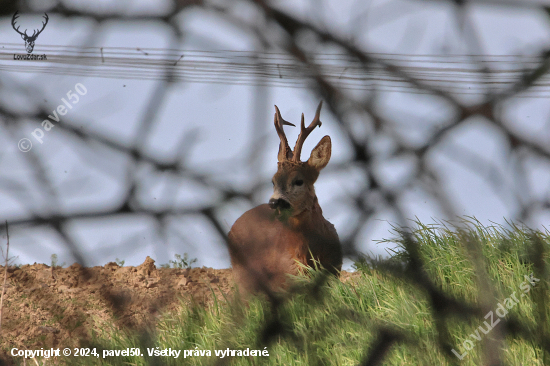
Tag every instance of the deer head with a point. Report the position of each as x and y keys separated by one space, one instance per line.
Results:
x=29 y=40
x=293 y=191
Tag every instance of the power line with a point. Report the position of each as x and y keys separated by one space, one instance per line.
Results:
x=458 y=74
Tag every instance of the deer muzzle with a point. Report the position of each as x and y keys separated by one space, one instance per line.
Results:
x=278 y=203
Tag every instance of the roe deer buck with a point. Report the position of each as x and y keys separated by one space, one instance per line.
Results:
x=266 y=242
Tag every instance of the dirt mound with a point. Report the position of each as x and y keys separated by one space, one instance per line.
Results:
x=48 y=307
x=53 y=307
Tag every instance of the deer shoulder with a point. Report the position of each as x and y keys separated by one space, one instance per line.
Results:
x=266 y=242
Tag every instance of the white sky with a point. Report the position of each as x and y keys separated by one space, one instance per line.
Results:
x=223 y=114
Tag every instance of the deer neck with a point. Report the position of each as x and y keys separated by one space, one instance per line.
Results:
x=307 y=217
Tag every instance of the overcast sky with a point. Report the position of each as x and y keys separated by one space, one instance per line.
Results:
x=224 y=114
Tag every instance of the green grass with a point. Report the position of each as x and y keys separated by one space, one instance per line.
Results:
x=331 y=323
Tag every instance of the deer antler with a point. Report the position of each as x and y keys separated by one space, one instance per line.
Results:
x=304 y=132
x=43 y=26
x=34 y=34
x=284 y=150
x=15 y=16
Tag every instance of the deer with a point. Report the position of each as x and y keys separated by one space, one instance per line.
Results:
x=281 y=237
x=29 y=40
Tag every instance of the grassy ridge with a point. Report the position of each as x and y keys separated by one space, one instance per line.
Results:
x=334 y=323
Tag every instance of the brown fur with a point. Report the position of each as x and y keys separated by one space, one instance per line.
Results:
x=265 y=243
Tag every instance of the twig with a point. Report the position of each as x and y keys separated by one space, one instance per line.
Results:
x=175 y=63
x=5 y=274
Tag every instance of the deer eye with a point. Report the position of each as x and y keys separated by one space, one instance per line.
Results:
x=298 y=182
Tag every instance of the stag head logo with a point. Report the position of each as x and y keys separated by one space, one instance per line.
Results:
x=29 y=40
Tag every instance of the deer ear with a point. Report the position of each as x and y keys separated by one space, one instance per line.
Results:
x=320 y=155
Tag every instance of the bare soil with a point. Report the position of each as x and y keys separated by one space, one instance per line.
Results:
x=48 y=307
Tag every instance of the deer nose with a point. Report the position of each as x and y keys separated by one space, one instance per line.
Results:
x=278 y=203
